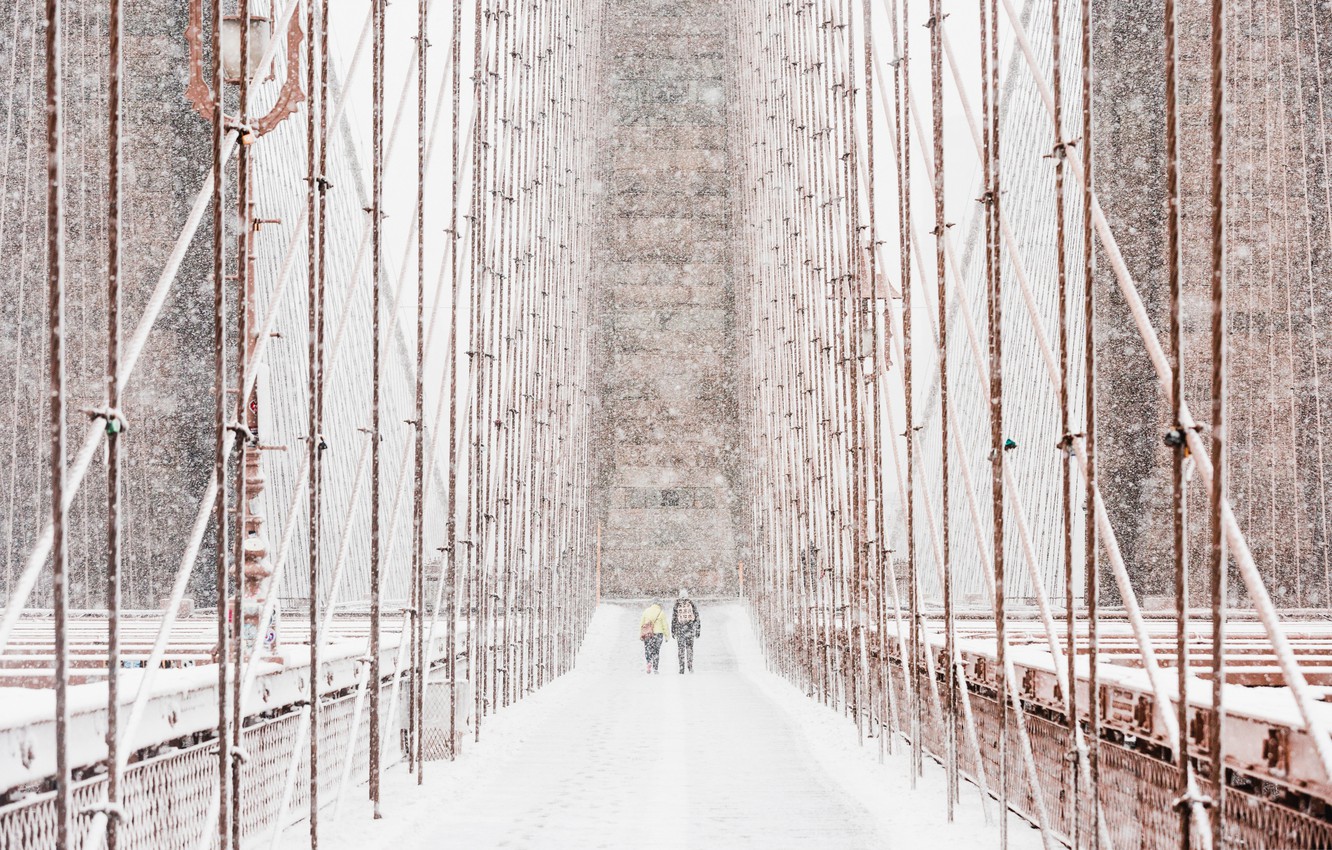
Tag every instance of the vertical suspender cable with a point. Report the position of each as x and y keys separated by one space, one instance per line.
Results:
x=850 y=270
x=221 y=425
x=55 y=278
x=418 y=531
x=861 y=287
x=314 y=224
x=1219 y=425
x=522 y=409
x=997 y=389
x=1091 y=592
x=1175 y=438
x=544 y=474
x=871 y=441
x=499 y=346
x=483 y=315
x=824 y=270
x=115 y=65
x=244 y=305
x=813 y=513
x=817 y=508
x=451 y=501
x=993 y=280
x=503 y=472
x=321 y=362
x=843 y=419
x=823 y=428
x=500 y=356
x=914 y=665
x=376 y=265
x=442 y=602
x=476 y=361
x=1059 y=154
x=491 y=358
x=941 y=282
x=840 y=462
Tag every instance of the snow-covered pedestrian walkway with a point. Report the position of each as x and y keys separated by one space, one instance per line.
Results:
x=608 y=756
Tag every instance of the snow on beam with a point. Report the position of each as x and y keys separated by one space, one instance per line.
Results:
x=182 y=704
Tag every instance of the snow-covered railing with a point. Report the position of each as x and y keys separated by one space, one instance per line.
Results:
x=275 y=784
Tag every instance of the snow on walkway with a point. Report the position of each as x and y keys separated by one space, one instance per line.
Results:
x=607 y=756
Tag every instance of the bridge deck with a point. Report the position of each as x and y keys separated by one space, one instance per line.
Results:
x=610 y=757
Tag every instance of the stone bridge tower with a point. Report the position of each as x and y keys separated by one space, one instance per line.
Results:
x=668 y=431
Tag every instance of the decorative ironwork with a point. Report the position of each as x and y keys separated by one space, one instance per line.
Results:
x=200 y=96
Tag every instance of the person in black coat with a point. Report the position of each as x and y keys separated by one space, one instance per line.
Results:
x=686 y=625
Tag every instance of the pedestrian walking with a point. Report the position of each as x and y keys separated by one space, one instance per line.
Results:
x=653 y=630
x=686 y=625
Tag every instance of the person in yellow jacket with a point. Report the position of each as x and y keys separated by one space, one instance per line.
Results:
x=653 y=630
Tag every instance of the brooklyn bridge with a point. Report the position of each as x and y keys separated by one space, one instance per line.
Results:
x=948 y=375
